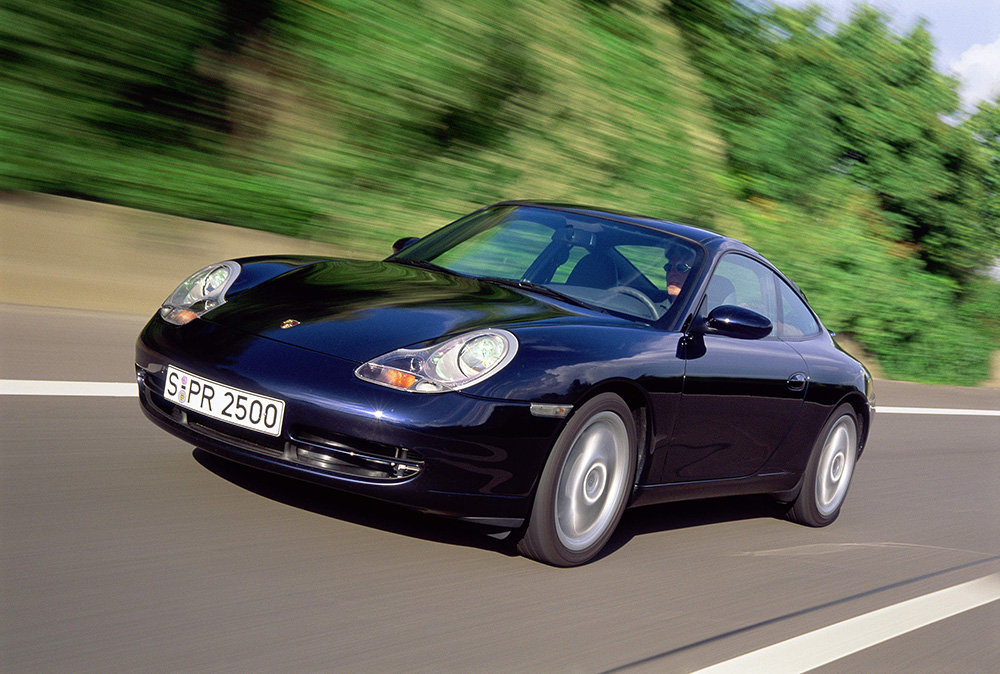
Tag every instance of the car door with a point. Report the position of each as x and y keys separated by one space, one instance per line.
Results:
x=740 y=396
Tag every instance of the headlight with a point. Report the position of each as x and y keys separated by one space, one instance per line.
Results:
x=451 y=366
x=201 y=292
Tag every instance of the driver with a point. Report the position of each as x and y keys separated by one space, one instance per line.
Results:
x=679 y=263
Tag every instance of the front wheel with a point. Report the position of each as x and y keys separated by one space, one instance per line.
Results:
x=828 y=475
x=585 y=484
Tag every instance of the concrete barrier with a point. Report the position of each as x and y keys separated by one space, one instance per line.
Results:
x=67 y=253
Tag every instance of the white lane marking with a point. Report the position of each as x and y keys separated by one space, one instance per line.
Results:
x=825 y=645
x=35 y=387
x=937 y=410
x=828 y=548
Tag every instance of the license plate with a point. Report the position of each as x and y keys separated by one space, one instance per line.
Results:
x=225 y=403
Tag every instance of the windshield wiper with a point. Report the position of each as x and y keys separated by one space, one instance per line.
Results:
x=536 y=288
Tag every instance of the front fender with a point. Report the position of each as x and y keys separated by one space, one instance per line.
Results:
x=567 y=366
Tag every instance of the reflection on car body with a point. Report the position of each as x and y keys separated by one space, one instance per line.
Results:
x=530 y=366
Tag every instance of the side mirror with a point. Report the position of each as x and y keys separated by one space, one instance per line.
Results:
x=403 y=243
x=729 y=320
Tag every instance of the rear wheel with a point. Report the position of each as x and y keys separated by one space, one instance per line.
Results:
x=828 y=475
x=585 y=484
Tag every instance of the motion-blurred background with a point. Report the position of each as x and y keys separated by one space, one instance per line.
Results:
x=833 y=145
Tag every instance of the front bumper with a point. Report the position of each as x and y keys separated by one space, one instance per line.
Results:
x=451 y=454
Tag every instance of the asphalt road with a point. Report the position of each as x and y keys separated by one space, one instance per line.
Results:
x=124 y=550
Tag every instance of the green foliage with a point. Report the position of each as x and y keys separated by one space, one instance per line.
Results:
x=345 y=119
x=888 y=117
x=984 y=128
x=114 y=101
x=919 y=326
x=769 y=78
x=797 y=103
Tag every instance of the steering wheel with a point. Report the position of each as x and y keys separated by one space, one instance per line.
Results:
x=639 y=295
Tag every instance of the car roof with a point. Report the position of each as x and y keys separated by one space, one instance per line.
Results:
x=706 y=238
x=715 y=243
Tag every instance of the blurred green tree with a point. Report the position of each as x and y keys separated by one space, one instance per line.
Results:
x=797 y=103
x=92 y=77
x=126 y=102
x=889 y=120
x=984 y=127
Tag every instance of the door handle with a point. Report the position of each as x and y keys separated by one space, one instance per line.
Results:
x=797 y=381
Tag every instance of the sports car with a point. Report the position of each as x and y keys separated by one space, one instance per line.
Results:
x=531 y=367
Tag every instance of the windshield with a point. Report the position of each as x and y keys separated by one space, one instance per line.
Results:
x=628 y=269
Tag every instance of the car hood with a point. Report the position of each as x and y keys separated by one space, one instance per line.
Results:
x=360 y=310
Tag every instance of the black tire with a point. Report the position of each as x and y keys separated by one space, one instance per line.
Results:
x=828 y=474
x=585 y=484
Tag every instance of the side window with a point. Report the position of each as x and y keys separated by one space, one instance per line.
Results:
x=796 y=319
x=744 y=282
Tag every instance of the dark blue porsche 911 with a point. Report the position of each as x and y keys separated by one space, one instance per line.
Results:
x=533 y=367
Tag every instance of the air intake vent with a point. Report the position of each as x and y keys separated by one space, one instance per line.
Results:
x=339 y=458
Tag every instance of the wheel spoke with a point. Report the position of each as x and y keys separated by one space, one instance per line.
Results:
x=836 y=465
x=592 y=481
